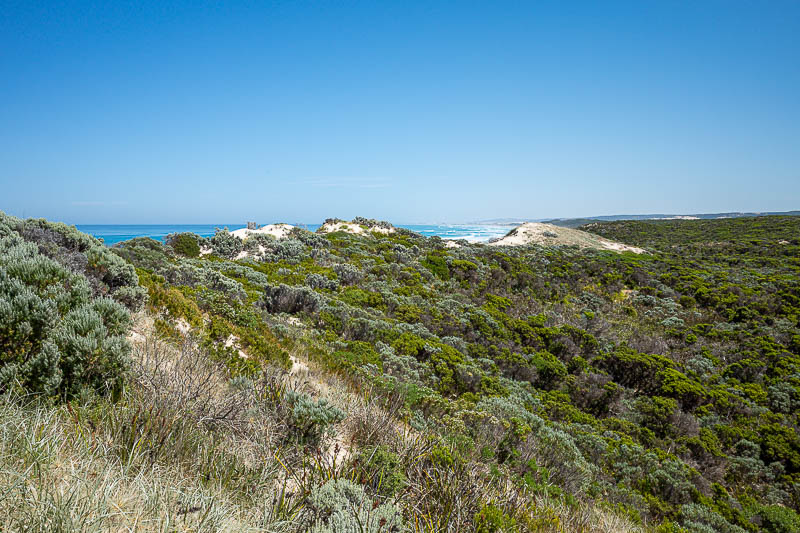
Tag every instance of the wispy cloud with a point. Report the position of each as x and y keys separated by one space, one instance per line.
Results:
x=96 y=203
x=347 y=183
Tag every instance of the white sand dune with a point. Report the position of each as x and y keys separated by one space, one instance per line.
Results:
x=279 y=231
x=551 y=235
x=351 y=227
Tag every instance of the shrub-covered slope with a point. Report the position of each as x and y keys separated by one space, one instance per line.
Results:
x=665 y=385
x=480 y=388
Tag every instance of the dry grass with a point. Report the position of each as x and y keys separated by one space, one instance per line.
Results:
x=61 y=477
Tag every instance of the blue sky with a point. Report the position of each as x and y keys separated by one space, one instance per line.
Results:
x=143 y=112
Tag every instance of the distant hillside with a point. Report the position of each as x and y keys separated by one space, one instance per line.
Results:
x=577 y=222
x=768 y=230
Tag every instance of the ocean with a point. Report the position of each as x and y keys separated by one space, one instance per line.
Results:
x=114 y=233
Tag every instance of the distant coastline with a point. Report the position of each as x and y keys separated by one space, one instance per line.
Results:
x=115 y=233
x=478 y=231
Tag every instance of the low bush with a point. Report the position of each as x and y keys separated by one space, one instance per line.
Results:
x=287 y=299
x=310 y=422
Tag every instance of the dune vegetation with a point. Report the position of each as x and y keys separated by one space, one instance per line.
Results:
x=380 y=381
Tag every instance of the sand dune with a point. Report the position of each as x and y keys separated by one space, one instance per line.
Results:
x=279 y=231
x=353 y=227
x=550 y=235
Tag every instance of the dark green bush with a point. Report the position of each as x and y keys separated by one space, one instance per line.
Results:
x=437 y=264
x=381 y=470
x=185 y=244
x=549 y=369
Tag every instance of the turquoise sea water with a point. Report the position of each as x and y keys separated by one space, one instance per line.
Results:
x=112 y=234
x=471 y=233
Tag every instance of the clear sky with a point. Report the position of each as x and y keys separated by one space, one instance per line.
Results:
x=167 y=112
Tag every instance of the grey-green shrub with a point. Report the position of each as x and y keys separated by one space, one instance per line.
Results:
x=55 y=337
x=318 y=281
x=308 y=238
x=94 y=351
x=28 y=355
x=372 y=223
x=256 y=241
x=104 y=271
x=347 y=273
x=225 y=244
x=290 y=251
x=698 y=518
x=311 y=421
x=341 y=506
x=287 y=299
x=200 y=275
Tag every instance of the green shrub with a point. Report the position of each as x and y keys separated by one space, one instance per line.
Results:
x=782 y=444
x=361 y=298
x=185 y=244
x=357 y=354
x=170 y=299
x=437 y=264
x=779 y=519
x=656 y=413
x=635 y=369
x=549 y=370
x=492 y=519
x=381 y=470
